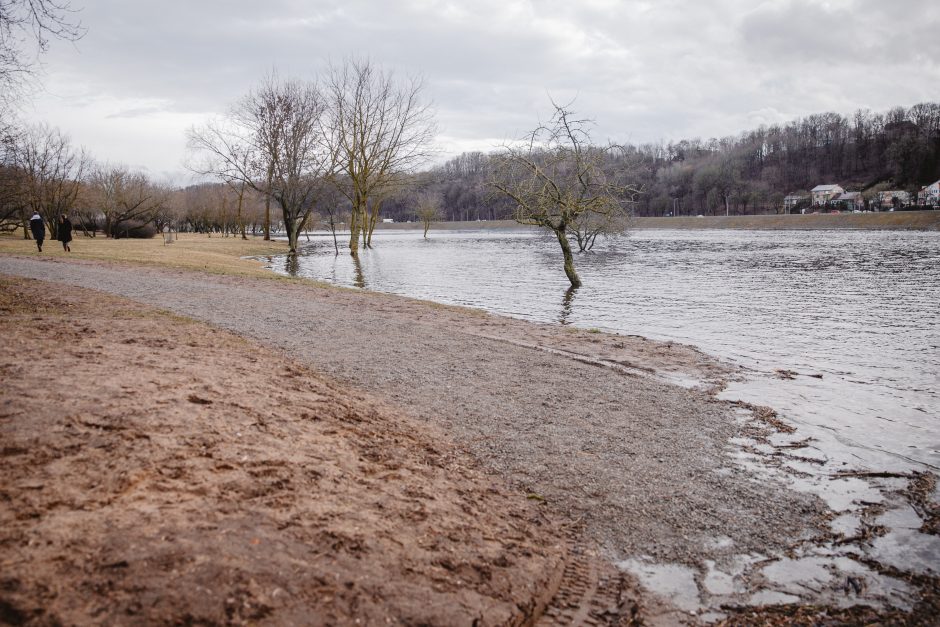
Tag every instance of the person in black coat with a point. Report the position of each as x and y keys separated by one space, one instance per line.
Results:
x=65 y=232
x=39 y=230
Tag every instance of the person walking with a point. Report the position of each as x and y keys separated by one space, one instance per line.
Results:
x=38 y=229
x=65 y=232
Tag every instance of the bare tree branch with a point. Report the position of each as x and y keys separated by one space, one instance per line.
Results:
x=271 y=141
x=559 y=180
x=26 y=28
x=380 y=129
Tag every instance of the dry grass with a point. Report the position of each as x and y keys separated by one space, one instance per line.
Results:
x=218 y=255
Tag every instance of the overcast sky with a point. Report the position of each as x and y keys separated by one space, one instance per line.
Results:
x=645 y=71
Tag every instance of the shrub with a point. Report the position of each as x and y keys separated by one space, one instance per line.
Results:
x=134 y=229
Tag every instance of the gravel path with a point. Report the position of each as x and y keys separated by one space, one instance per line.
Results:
x=581 y=420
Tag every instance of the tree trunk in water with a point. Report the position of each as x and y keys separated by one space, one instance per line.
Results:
x=354 y=230
x=371 y=228
x=569 y=258
x=293 y=232
x=373 y=219
x=333 y=230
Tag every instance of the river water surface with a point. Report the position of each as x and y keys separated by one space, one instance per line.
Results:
x=859 y=308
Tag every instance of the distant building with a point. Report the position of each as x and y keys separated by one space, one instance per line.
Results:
x=893 y=199
x=387 y=220
x=822 y=194
x=848 y=201
x=929 y=196
x=792 y=202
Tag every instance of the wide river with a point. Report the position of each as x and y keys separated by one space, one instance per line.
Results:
x=859 y=308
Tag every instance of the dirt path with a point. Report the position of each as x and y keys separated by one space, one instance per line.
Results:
x=578 y=420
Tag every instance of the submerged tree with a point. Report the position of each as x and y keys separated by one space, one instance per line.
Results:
x=271 y=141
x=428 y=209
x=557 y=180
x=380 y=127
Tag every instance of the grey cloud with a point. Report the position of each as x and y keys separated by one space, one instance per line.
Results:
x=137 y=112
x=643 y=69
x=860 y=32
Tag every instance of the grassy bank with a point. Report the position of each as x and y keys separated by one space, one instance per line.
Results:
x=903 y=220
x=219 y=255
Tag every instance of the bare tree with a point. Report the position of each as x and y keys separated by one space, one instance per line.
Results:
x=12 y=200
x=124 y=197
x=13 y=205
x=26 y=28
x=379 y=129
x=271 y=142
x=331 y=205
x=238 y=188
x=428 y=209
x=51 y=171
x=557 y=177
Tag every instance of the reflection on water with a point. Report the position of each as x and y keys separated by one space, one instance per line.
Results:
x=359 y=279
x=291 y=265
x=856 y=308
x=566 y=305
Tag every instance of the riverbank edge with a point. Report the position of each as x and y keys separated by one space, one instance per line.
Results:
x=887 y=221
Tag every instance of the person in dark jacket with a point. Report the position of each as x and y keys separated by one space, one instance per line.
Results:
x=65 y=232
x=38 y=228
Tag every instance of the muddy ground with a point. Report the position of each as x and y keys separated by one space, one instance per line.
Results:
x=208 y=480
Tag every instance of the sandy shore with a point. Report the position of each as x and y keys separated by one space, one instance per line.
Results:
x=587 y=431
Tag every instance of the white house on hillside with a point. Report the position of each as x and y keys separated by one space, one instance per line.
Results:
x=824 y=193
x=930 y=195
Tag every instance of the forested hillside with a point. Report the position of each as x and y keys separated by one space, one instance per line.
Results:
x=747 y=174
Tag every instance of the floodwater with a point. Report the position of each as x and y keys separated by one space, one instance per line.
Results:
x=839 y=331
x=859 y=308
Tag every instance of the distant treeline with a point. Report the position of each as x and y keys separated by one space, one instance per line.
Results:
x=747 y=174
x=42 y=171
